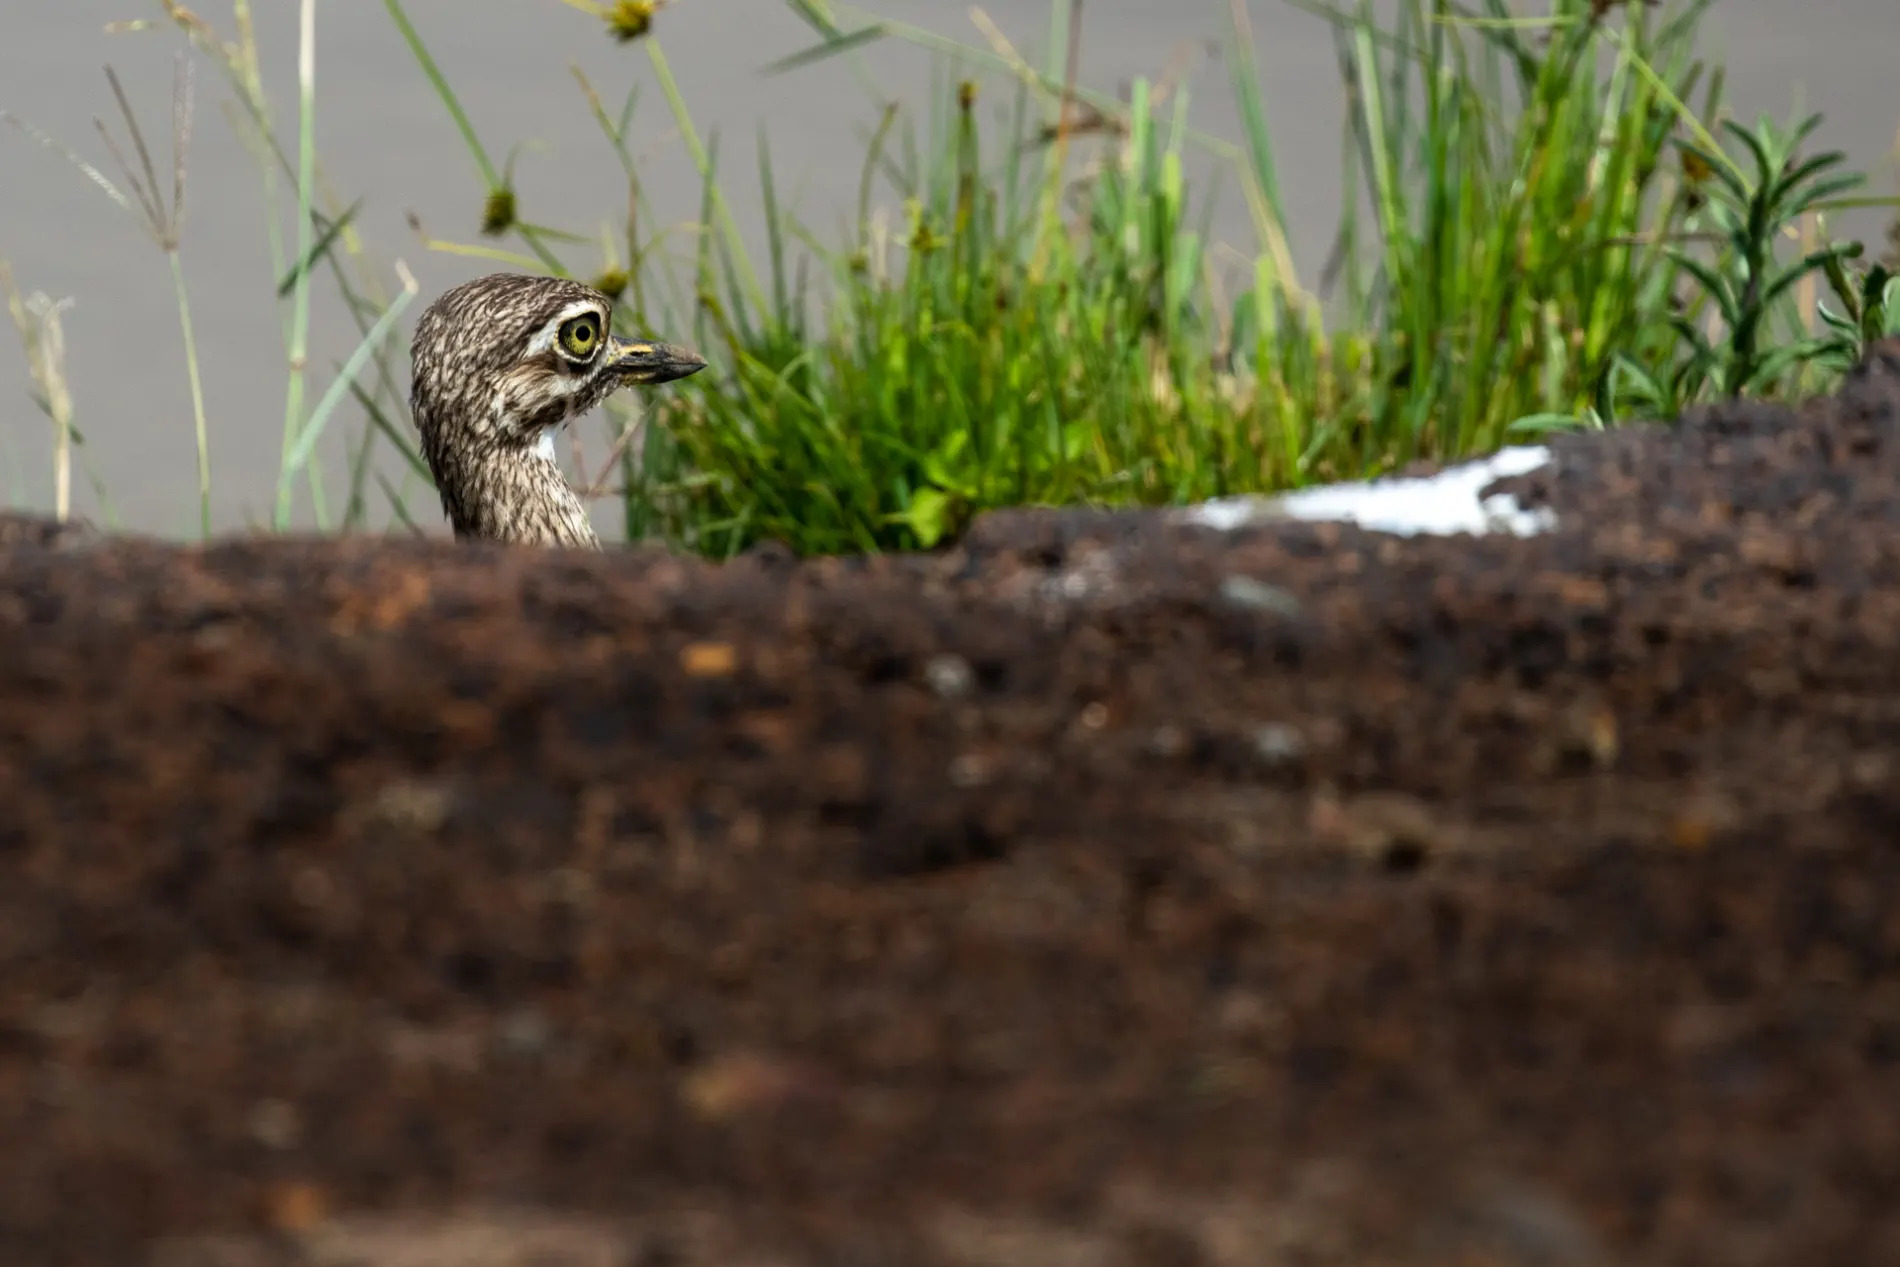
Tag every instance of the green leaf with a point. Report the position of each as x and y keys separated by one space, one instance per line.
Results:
x=1543 y=424
x=1834 y=321
x=1889 y=308
x=1783 y=359
x=928 y=515
x=843 y=42
x=940 y=466
x=1713 y=284
x=318 y=249
x=1623 y=368
x=1853 y=298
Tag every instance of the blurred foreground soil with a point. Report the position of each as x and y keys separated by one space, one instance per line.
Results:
x=1102 y=890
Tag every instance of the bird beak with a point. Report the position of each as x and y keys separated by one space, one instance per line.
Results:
x=637 y=362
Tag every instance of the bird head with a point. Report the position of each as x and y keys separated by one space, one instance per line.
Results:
x=501 y=362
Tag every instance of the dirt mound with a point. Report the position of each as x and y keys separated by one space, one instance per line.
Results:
x=1105 y=890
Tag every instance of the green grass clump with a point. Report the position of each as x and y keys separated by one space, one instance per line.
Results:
x=987 y=348
x=1535 y=253
x=1548 y=222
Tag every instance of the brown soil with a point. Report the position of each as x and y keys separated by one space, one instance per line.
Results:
x=1101 y=891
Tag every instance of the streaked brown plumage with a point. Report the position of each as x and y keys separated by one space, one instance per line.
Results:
x=498 y=365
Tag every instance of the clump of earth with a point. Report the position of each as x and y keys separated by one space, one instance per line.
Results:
x=1103 y=889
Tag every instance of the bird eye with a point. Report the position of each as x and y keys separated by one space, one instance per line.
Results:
x=581 y=336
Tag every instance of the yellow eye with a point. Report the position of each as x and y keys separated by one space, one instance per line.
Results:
x=581 y=336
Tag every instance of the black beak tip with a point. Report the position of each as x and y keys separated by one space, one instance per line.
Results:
x=683 y=362
x=652 y=363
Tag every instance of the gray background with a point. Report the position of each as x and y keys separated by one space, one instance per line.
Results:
x=382 y=134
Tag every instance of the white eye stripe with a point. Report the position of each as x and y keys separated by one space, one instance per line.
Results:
x=549 y=335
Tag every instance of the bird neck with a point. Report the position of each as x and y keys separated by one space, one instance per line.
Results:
x=513 y=495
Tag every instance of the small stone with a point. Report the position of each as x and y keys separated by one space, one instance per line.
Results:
x=709 y=659
x=313 y=888
x=411 y=806
x=1277 y=743
x=970 y=770
x=1590 y=732
x=950 y=676
x=571 y=886
x=276 y=1124
x=524 y=1034
x=1253 y=595
x=1394 y=831
x=295 y=1206
x=1690 y=833
x=1869 y=770
x=1167 y=741
x=745 y=1083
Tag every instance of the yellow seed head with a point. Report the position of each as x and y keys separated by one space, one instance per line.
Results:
x=612 y=283
x=628 y=20
x=923 y=238
x=498 y=213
